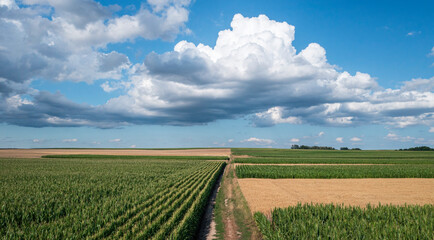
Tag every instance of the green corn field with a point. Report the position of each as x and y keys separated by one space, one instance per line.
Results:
x=336 y=171
x=336 y=154
x=336 y=160
x=71 y=198
x=328 y=221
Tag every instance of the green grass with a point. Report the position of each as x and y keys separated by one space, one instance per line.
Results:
x=90 y=156
x=336 y=160
x=365 y=154
x=336 y=171
x=75 y=198
x=339 y=222
x=276 y=156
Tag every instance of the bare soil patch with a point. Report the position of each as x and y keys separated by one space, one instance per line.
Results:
x=207 y=229
x=264 y=195
x=37 y=153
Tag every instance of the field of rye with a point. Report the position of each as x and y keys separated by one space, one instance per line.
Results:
x=95 y=198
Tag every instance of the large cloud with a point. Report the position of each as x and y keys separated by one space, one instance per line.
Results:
x=253 y=70
x=63 y=40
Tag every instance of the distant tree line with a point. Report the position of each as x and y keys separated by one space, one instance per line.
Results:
x=421 y=148
x=295 y=146
x=345 y=148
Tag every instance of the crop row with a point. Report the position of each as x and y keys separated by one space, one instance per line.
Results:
x=86 y=198
x=340 y=222
x=336 y=171
x=289 y=153
x=335 y=160
x=105 y=157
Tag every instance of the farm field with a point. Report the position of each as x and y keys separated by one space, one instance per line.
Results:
x=348 y=222
x=281 y=156
x=78 y=198
x=273 y=152
x=264 y=195
x=337 y=160
x=89 y=156
x=37 y=153
x=305 y=194
x=114 y=193
x=336 y=171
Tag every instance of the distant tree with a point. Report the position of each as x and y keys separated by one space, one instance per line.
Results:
x=421 y=148
x=312 y=147
x=344 y=148
x=356 y=149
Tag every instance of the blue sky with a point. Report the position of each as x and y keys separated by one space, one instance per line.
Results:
x=180 y=73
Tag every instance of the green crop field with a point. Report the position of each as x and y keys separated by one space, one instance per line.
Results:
x=88 y=156
x=279 y=156
x=329 y=221
x=336 y=160
x=336 y=154
x=337 y=171
x=340 y=222
x=73 y=198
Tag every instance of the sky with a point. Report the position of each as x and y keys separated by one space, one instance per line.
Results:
x=182 y=73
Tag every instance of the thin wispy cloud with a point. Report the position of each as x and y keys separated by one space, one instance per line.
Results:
x=413 y=33
x=258 y=141
x=395 y=137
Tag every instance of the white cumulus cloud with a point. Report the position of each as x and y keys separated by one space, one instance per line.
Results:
x=295 y=140
x=259 y=141
x=71 y=140
x=340 y=139
x=253 y=70
x=396 y=137
x=355 y=139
